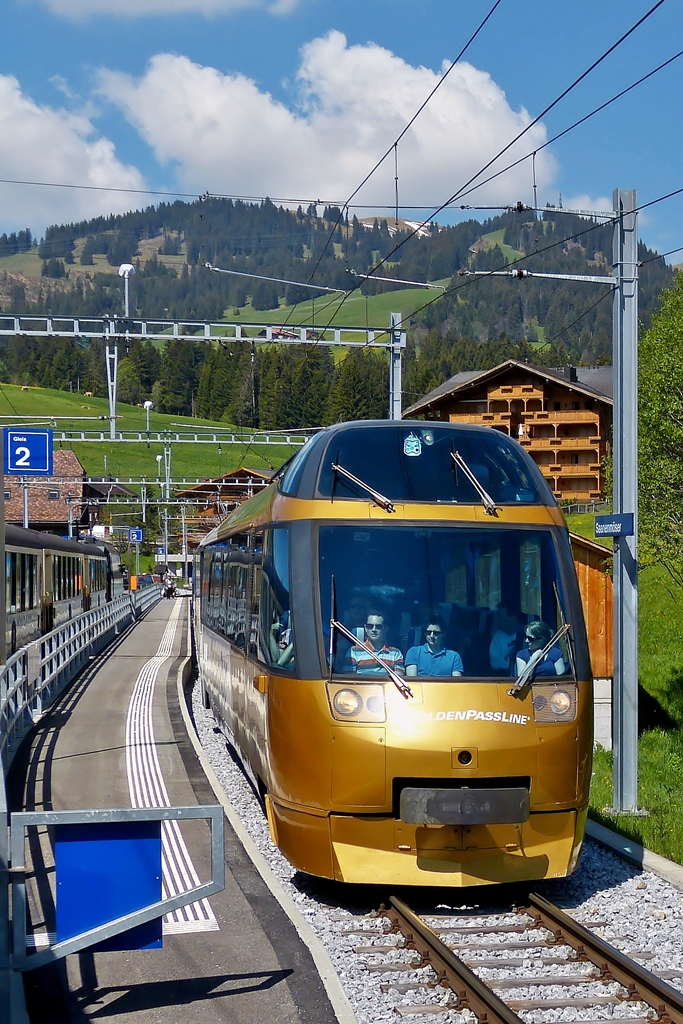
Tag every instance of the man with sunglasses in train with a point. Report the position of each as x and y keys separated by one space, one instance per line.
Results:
x=375 y=637
x=433 y=658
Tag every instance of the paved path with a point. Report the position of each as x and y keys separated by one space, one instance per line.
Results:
x=116 y=739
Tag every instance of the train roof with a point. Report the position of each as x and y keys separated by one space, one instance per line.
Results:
x=414 y=461
x=19 y=537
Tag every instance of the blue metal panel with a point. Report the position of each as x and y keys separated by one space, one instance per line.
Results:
x=615 y=525
x=106 y=870
x=27 y=452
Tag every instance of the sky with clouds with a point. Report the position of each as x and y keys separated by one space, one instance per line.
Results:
x=297 y=99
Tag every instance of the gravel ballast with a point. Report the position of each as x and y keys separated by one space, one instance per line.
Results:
x=642 y=913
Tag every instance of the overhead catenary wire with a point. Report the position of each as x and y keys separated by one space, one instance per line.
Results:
x=565 y=92
x=549 y=341
x=571 y=127
x=532 y=154
x=660 y=256
x=568 y=238
x=394 y=145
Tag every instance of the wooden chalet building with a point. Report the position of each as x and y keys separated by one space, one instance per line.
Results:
x=562 y=417
x=212 y=500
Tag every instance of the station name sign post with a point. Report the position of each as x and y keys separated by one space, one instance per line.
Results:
x=25 y=453
x=621 y=525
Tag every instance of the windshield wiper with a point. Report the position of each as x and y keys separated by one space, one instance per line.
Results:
x=535 y=659
x=376 y=496
x=486 y=499
x=570 y=638
x=336 y=626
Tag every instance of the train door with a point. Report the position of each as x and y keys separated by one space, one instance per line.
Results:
x=86 y=599
x=47 y=616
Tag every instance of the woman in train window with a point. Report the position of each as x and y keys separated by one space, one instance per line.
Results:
x=536 y=637
x=433 y=658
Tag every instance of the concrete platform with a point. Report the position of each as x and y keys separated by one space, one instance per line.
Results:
x=117 y=739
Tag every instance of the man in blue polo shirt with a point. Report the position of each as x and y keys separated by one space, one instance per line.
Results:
x=433 y=658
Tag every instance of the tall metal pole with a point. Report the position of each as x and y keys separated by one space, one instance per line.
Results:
x=397 y=342
x=112 y=361
x=625 y=453
x=24 y=500
x=184 y=520
x=3 y=607
x=167 y=470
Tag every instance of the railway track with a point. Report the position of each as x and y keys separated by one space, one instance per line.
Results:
x=497 y=966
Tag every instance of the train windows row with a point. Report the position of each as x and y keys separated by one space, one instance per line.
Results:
x=98 y=575
x=21 y=581
x=245 y=595
x=66 y=577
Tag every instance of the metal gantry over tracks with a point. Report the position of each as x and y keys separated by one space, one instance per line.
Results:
x=541 y=929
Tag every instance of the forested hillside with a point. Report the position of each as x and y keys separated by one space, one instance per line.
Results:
x=73 y=271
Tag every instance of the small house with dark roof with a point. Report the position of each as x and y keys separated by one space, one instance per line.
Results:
x=66 y=495
x=563 y=417
x=51 y=500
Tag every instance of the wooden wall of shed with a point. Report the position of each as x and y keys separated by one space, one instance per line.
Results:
x=593 y=562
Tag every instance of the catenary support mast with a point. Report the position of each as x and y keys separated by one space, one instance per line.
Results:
x=625 y=451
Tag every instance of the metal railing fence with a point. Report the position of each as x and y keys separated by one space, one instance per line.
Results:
x=31 y=680
x=36 y=674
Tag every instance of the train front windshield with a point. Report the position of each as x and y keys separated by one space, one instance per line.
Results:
x=436 y=602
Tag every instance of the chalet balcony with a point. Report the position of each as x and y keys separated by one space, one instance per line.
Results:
x=562 y=416
x=563 y=442
x=575 y=469
x=481 y=418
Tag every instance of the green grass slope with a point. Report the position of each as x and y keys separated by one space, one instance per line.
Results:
x=660 y=749
x=126 y=459
x=357 y=311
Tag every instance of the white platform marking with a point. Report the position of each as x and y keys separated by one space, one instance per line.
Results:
x=147 y=789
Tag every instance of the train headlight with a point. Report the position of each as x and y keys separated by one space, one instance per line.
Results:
x=554 y=702
x=362 y=702
x=560 y=702
x=347 y=703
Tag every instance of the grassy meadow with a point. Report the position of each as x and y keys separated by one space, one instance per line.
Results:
x=660 y=748
x=132 y=459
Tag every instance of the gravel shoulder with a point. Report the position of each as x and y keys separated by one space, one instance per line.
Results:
x=642 y=912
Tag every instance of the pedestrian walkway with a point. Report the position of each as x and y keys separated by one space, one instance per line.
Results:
x=116 y=739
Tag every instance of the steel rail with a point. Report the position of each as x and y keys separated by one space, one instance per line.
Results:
x=640 y=983
x=476 y=995
x=471 y=992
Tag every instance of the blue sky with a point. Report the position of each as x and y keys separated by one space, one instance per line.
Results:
x=297 y=98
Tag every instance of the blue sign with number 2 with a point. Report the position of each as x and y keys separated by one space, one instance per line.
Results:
x=27 y=452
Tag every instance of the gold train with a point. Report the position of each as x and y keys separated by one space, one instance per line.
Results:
x=391 y=636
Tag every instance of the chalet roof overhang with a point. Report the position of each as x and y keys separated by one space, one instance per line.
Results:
x=444 y=392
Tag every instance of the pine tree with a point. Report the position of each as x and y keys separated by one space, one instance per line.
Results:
x=360 y=388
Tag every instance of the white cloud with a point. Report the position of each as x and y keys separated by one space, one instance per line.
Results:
x=221 y=133
x=80 y=9
x=40 y=143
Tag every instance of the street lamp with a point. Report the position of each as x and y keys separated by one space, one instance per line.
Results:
x=147 y=407
x=125 y=270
